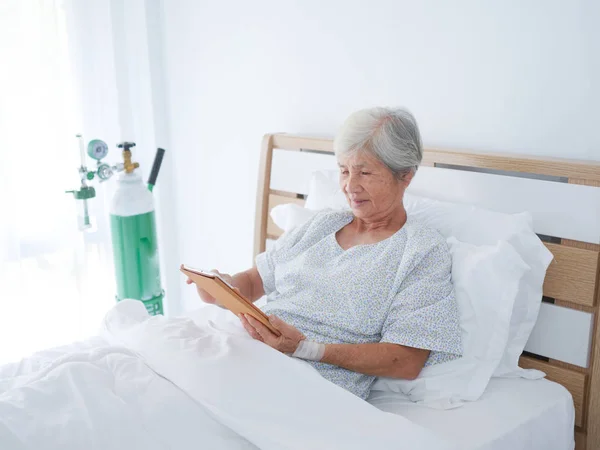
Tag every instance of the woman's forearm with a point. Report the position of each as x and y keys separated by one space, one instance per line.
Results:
x=250 y=284
x=378 y=359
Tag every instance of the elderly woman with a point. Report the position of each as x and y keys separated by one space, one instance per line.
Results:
x=367 y=292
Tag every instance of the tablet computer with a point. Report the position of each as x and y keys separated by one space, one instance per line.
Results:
x=226 y=295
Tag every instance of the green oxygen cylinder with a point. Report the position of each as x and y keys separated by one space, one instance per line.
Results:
x=133 y=230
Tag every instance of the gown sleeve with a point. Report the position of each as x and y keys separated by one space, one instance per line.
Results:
x=424 y=313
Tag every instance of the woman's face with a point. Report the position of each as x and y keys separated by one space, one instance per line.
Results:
x=371 y=189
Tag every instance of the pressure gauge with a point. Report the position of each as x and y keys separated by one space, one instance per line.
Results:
x=104 y=172
x=97 y=149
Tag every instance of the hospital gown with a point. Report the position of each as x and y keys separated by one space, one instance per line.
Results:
x=398 y=290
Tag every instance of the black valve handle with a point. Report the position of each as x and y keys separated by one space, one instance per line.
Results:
x=160 y=153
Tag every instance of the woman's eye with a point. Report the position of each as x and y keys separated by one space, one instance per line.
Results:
x=344 y=172
x=365 y=173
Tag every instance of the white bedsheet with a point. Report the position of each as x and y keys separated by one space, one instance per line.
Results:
x=513 y=414
x=157 y=383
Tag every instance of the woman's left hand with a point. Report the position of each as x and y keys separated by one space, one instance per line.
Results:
x=287 y=342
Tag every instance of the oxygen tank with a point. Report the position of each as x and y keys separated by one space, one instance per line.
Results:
x=133 y=230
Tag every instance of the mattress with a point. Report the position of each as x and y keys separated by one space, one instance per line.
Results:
x=512 y=414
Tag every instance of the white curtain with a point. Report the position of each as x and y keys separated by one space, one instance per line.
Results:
x=55 y=281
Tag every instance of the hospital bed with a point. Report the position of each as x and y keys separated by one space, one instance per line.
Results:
x=563 y=198
x=147 y=383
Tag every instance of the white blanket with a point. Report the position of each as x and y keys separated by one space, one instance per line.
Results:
x=157 y=383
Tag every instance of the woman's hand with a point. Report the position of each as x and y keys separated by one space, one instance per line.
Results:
x=205 y=296
x=286 y=343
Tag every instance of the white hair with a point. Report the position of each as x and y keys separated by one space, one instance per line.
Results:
x=390 y=134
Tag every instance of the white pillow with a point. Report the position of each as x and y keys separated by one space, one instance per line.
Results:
x=478 y=226
x=324 y=191
x=484 y=227
x=288 y=216
x=486 y=281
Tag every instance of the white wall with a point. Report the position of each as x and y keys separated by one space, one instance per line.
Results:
x=517 y=76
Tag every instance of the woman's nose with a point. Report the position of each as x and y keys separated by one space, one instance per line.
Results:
x=352 y=184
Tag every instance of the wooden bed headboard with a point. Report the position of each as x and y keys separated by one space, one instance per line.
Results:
x=564 y=199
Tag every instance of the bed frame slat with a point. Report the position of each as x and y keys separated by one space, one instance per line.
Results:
x=562 y=333
x=579 y=244
x=292 y=142
x=558 y=167
x=558 y=209
x=572 y=275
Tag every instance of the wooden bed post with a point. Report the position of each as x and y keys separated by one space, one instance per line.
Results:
x=593 y=414
x=591 y=440
x=262 y=195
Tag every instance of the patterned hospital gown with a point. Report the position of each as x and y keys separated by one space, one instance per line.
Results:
x=398 y=290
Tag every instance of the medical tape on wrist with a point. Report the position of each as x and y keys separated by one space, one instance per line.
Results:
x=312 y=351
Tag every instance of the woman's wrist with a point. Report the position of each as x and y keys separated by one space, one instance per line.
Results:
x=309 y=350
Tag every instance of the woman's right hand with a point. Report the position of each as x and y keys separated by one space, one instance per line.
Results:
x=205 y=296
